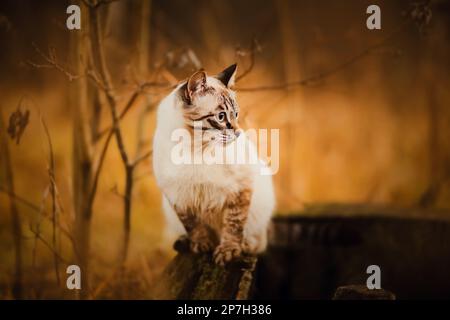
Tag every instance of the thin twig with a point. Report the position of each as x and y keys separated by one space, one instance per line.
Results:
x=142 y=158
x=99 y=169
x=52 y=62
x=49 y=246
x=103 y=284
x=254 y=48
x=133 y=98
x=37 y=209
x=52 y=182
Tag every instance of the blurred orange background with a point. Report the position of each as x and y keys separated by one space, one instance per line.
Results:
x=373 y=130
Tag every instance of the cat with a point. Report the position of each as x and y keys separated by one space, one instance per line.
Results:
x=223 y=208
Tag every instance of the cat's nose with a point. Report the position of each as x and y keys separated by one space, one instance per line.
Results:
x=229 y=126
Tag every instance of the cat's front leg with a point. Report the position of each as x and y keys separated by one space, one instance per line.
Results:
x=234 y=218
x=201 y=238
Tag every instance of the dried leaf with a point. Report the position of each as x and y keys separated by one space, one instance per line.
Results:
x=421 y=14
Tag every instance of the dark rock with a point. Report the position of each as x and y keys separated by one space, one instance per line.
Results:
x=360 y=292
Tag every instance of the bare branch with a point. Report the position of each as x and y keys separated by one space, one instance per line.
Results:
x=133 y=98
x=103 y=72
x=254 y=48
x=48 y=245
x=51 y=62
x=321 y=76
x=142 y=158
x=93 y=75
x=52 y=186
x=99 y=169
x=36 y=208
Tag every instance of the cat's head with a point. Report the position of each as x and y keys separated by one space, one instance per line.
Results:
x=210 y=102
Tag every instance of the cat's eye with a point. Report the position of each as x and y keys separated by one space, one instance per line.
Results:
x=236 y=114
x=221 y=116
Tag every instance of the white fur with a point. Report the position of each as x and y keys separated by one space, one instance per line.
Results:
x=206 y=186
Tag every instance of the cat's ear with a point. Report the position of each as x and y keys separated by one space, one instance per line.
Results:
x=196 y=83
x=228 y=76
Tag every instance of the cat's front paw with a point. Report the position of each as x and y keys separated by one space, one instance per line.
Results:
x=227 y=251
x=201 y=246
x=202 y=240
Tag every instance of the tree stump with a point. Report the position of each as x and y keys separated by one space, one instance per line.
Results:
x=196 y=276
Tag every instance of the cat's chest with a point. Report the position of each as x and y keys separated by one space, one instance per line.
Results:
x=203 y=187
x=203 y=180
x=215 y=176
x=204 y=198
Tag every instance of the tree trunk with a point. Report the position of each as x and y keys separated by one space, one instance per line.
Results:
x=292 y=67
x=82 y=165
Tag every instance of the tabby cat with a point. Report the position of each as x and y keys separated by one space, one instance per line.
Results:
x=223 y=208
